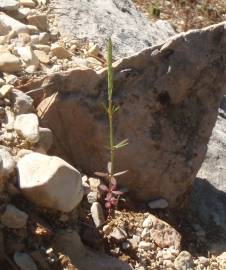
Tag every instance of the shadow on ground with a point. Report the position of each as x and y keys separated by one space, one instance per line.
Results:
x=207 y=204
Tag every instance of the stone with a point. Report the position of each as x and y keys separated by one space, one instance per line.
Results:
x=94 y=183
x=92 y=197
x=184 y=261
x=203 y=261
x=14 y=218
x=4 y=30
x=158 y=204
x=116 y=18
x=46 y=179
x=134 y=241
x=32 y=29
x=163 y=234
x=170 y=87
x=27 y=126
x=25 y=38
x=145 y=245
x=126 y=245
x=9 y=63
x=94 y=50
x=7 y=162
x=145 y=233
x=80 y=62
x=22 y=103
x=10 y=78
x=5 y=90
x=28 y=3
x=60 y=52
x=9 y=120
x=42 y=2
x=13 y=24
x=222 y=260
x=24 y=12
x=40 y=21
x=45 y=138
x=118 y=234
x=9 y=5
x=41 y=47
x=97 y=214
x=44 y=38
x=24 y=261
x=93 y=62
x=42 y=56
x=147 y=223
x=28 y=56
x=35 y=39
x=69 y=244
x=106 y=229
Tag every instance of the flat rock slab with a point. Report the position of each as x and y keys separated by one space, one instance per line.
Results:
x=98 y=20
x=169 y=97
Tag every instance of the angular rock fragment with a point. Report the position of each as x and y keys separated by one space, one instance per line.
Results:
x=13 y=24
x=9 y=63
x=184 y=261
x=28 y=3
x=5 y=89
x=14 y=218
x=97 y=214
x=9 y=5
x=22 y=103
x=50 y=182
x=46 y=138
x=40 y=21
x=60 y=52
x=7 y=162
x=29 y=57
x=42 y=56
x=169 y=97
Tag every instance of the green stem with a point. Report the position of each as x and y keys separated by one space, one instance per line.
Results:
x=110 y=107
x=111 y=138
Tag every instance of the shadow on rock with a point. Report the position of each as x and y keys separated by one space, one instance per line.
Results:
x=208 y=204
x=83 y=258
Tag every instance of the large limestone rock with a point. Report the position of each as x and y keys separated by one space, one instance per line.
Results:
x=98 y=20
x=169 y=97
x=50 y=182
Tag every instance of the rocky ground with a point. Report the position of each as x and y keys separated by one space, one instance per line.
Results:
x=40 y=226
x=185 y=15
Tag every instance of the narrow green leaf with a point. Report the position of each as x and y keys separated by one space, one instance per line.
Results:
x=115 y=109
x=121 y=144
x=120 y=173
